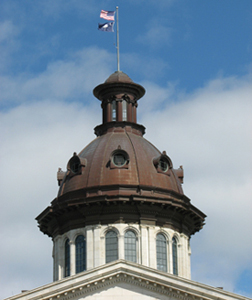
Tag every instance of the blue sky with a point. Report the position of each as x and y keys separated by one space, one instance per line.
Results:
x=194 y=59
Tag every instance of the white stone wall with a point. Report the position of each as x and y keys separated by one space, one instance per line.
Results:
x=146 y=247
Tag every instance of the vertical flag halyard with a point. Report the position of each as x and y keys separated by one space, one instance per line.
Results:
x=109 y=27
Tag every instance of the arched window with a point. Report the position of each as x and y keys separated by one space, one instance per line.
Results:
x=113 y=110
x=130 y=246
x=67 y=258
x=175 y=256
x=161 y=247
x=80 y=250
x=124 y=110
x=111 y=246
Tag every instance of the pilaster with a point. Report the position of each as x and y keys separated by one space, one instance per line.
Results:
x=72 y=257
x=90 y=247
x=144 y=245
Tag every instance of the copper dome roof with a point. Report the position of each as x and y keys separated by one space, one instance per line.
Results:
x=140 y=170
x=119 y=76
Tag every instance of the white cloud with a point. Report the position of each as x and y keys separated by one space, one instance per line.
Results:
x=148 y=68
x=209 y=133
x=8 y=42
x=70 y=79
x=156 y=35
x=36 y=139
x=7 y=31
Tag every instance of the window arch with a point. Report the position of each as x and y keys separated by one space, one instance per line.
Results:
x=175 y=256
x=161 y=249
x=111 y=246
x=130 y=246
x=124 y=110
x=80 y=253
x=113 y=110
x=67 y=258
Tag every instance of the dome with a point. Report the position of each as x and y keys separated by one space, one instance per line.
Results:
x=120 y=177
x=138 y=172
x=118 y=76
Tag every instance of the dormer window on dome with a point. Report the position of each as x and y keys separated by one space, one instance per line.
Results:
x=163 y=163
x=76 y=164
x=119 y=159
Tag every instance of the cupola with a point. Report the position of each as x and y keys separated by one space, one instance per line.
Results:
x=119 y=96
x=120 y=197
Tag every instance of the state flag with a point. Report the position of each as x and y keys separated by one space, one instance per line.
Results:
x=106 y=27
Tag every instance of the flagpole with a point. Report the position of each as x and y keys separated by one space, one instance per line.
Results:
x=117 y=39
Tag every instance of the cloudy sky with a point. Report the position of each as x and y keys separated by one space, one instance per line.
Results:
x=194 y=59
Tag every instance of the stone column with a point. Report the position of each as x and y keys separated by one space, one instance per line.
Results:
x=55 y=260
x=72 y=257
x=183 y=257
x=189 y=258
x=170 y=260
x=90 y=248
x=61 y=261
x=144 y=246
x=152 y=247
x=96 y=246
x=121 y=246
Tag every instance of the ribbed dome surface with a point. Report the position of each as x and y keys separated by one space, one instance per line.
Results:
x=140 y=170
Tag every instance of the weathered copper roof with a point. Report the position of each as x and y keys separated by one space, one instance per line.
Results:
x=118 y=82
x=119 y=76
x=139 y=192
x=140 y=170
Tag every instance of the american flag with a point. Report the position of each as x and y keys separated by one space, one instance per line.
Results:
x=107 y=15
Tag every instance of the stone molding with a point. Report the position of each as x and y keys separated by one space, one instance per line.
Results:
x=112 y=274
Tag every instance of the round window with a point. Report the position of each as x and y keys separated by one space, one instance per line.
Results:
x=120 y=159
x=163 y=164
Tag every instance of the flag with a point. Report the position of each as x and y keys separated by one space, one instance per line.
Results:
x=107 y=15
x=106 y=27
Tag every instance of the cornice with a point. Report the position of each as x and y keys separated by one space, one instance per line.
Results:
x=115 y=273
x=73 y=211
